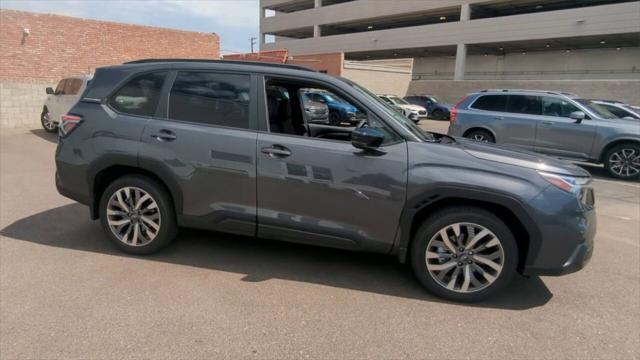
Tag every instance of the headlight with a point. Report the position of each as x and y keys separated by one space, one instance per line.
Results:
x=579 y=186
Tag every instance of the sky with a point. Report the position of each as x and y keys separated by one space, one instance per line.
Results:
x=234 y=20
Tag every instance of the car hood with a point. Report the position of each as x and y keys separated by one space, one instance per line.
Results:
x=411 y=107
x=522 y=158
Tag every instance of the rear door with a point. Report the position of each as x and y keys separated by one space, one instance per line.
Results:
x=204 y=142
x=521 y=120
x=561 y=136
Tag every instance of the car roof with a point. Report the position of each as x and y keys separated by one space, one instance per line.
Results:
x=525 y=91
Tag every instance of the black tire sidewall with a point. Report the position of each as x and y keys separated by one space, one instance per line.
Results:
x=438 y=114
x=617 y=148
x=487 y=135
x=168 y=227
x=463 y=214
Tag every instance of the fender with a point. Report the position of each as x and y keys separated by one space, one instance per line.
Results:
x=443 y=192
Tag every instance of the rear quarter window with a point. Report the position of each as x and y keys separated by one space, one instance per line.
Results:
x=140 y=95
x=490 y=103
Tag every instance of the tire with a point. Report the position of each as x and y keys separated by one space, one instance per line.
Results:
x=480 y=135
x=334 y=118
x=160 y=221
x=623 y=161
x=47 y=124
x=438 y=114
x=499 y=247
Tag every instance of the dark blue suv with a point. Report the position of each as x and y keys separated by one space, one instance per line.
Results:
x=339 y=110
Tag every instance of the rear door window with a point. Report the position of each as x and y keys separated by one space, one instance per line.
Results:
x=140 y=95
x=491 y=103
x=524 y=104
x=211 y=98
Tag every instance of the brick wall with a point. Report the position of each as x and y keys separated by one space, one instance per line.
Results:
x=59 y=46
x=330 y=63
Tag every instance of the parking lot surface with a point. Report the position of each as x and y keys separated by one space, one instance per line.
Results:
x=66 y=292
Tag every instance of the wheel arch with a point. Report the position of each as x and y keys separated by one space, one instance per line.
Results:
x=473 y=128
x=509 y=209
x=108 y=174
x=611 y=144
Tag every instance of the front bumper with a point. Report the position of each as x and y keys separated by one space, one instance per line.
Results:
x=568 y=241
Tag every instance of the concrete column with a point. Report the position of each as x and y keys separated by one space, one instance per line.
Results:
x=461 y=62
x=318 y=3
x=316 y=31
x=465 y=12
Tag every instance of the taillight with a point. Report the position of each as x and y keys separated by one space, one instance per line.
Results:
x=454 y=111
x=68 y=123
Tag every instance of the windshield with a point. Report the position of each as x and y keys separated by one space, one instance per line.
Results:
x=433 y=99
x=397 y=100
x=407 y=124
x=597 y=109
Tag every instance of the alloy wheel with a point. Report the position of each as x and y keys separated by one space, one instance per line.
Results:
x=133 y=216
x=625 y=162
x=480 y=137
x=47 y=122
x=464 y=257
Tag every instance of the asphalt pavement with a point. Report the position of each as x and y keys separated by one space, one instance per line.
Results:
x=66 y=292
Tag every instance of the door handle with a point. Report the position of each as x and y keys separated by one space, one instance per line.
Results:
x=278 y=151
x=164 y=135
x=548 y=122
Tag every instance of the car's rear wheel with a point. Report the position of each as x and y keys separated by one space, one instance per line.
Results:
x=334 y=118
x=137 y=214
x=623 y=161
x=480 y=135
x=464 y=254
x=47 y=123
x=438 y=114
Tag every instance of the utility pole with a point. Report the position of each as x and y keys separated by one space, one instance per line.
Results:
x=253 y=42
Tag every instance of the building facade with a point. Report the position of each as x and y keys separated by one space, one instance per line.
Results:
x=551 y=43
x=40 y=49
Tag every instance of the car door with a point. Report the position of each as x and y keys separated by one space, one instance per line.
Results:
x=561 y=136
x=327 y=192
x=520 y=120
x=204 y=142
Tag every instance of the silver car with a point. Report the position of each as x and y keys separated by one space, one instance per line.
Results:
x=553 y=123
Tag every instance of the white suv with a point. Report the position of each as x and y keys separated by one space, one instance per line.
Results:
x=61 y=100
x=413 y=112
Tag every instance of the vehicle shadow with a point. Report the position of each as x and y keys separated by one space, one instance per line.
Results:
x=50 y=137
x=260 y=260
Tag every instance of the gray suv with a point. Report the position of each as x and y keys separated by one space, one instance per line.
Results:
x=155 y=145
x=553 y=123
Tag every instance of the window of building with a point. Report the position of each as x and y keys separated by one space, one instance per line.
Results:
x=524 y=104
x=557 y=107
x=211 y=98
x=491 y=103
x=140 y=95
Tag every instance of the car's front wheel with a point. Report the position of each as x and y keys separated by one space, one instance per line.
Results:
x=464 y=254
x=47 y=123
x=137 y=214
x=623 y=161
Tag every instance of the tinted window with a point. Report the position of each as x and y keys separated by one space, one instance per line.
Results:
x=557 y=107
x=140 y=95
x=524 y=104
x=72 y=86
x=211 y=98
x=60 y=87
x=621 y=113
x=491 y=102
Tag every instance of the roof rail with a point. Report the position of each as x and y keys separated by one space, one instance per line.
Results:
x=529 y=90
x=237 y=62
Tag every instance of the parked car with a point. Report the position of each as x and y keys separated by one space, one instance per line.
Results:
x=315 y=111
x=339 y=110
x=435 y=109
x=61 y=99
x=621 y=110
x=554 y=123
x=413 y=112
x=210 y=148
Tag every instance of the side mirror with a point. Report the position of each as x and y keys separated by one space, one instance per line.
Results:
x=578 y=116
x=367 y=138
x=49 y=91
